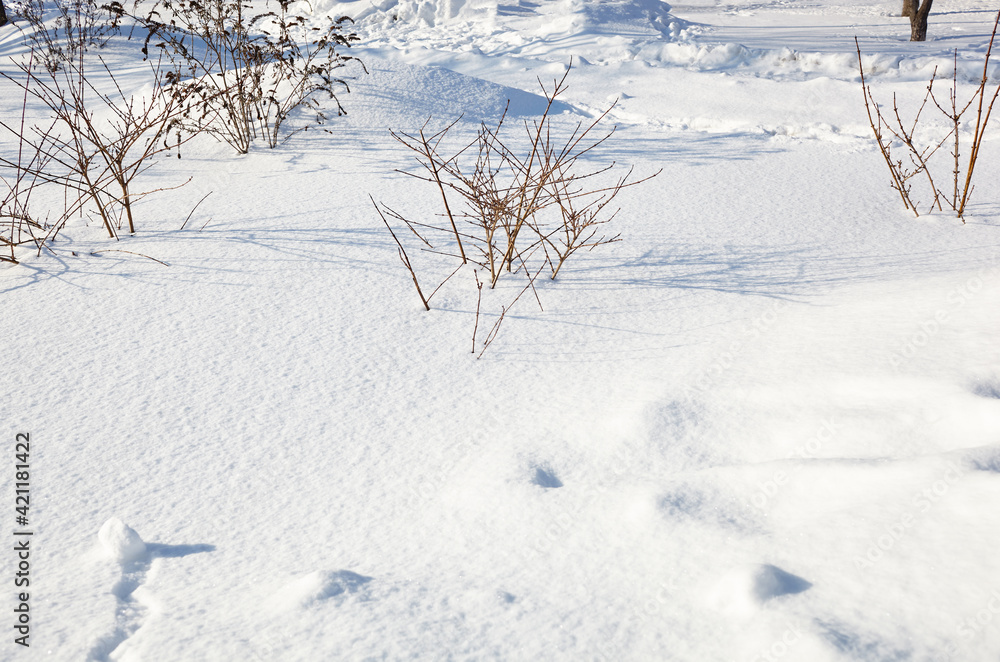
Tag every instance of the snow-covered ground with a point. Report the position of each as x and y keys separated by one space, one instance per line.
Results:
x=765 y=425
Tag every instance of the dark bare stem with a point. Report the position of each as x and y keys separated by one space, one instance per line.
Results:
x=402 y=255
x=193 y=210
x=495 y=329
x=441 y=284
x=981 y=121
x=436 y=173
x=897 y=182
x=479 y=301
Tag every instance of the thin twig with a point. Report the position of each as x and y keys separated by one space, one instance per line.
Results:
x=195 y=209
x=479 y=301
x=402 y=255
x=981 y=122
x=883 y=148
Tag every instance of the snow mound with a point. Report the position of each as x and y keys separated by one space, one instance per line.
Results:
x=597 y=30
x=606 y=16
x=403 y=97
x=317 y=586
x=614 y=31
x=788 y=63
x=120 y=541
x=428 y=12
x=745 y=589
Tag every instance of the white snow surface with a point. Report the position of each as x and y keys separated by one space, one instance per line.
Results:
x=765 y=425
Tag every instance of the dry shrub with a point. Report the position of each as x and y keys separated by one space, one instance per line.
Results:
x=245 y=70
x=512 y=205
x=892 y=132
x=96 y=144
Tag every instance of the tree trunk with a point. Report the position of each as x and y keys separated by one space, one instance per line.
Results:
x=909 y=8
x=918 y=21
x=3 y=14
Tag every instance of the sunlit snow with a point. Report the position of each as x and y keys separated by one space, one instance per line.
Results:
x=765 y=425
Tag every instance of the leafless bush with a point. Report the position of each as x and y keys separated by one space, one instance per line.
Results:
x=17 y=227
x=61 y=30
x=247 y=70
x=512 y=206
x=97 y=142
x=893 y=133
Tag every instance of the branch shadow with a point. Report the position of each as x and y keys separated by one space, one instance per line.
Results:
x=268 y=248
x=788 y=271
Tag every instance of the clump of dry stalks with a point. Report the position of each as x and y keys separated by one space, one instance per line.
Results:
x=96 y=162
x=893 y=133
x=247 y=68
x=511 y=208
x=86 y=159
x=223 y=68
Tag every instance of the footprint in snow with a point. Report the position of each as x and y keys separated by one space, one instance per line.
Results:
x=987 y=389
x=505 y=598
x=745 y=589
x=121 y=544
x=546 y=478
x=317 y=586
x=985 y=458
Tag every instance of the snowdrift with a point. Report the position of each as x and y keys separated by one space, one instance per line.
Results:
x=648 y=31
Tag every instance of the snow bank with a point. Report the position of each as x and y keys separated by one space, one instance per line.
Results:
x=404 y=97
x=548 y=18
x=599 y=31
x=428 y=12
x=612 y=31
x=789 y=63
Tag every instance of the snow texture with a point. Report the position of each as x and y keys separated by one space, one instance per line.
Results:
x=765 y=425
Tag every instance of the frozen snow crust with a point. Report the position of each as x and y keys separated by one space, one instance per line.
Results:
x=763 y=426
